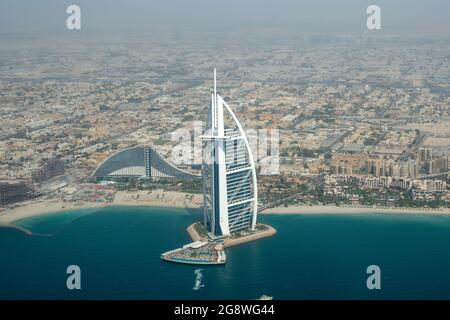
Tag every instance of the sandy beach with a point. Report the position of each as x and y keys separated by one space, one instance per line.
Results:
x=30 y=209
x=330 y=209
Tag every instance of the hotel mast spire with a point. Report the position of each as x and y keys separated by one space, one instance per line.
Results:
x=215 y=86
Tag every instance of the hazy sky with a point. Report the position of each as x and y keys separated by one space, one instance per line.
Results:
x=428 y=17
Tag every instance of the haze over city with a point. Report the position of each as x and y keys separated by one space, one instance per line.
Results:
x=141 y=17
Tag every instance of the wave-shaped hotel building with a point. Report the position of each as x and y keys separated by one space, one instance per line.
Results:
x=140 y=162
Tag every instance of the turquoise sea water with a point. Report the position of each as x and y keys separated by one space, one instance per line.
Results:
x=312 y=257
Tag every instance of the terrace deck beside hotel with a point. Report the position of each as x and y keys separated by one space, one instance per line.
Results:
x=205 y=250
x=197 y=232
x=197 y=252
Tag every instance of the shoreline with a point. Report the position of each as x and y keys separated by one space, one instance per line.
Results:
x=42 y=208
x=331 y=209
x=31 y=209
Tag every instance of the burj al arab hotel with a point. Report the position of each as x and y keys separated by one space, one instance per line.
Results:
x=229 y=174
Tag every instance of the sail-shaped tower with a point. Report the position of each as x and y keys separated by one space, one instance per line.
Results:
x=229 y=174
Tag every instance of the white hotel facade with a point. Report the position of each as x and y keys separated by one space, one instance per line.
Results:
x=229 y=174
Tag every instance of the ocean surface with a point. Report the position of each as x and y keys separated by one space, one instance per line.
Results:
x=312 y=257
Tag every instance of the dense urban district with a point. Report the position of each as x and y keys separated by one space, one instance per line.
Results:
x=362 y=121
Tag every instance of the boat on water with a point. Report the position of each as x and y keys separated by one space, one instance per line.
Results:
x=197 y=252
x=264 y=297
